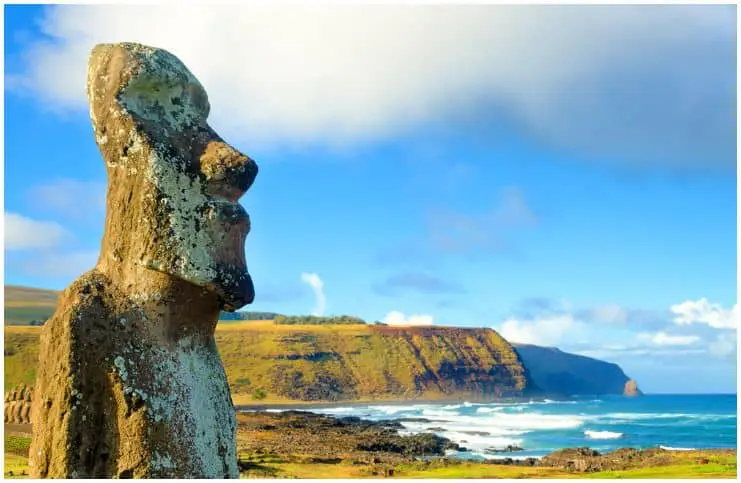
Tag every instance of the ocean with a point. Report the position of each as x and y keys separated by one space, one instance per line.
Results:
x=539 y=427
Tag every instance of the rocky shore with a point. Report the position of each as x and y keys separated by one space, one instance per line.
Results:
x=301 y=444
x=269 y=439
x=302 y=436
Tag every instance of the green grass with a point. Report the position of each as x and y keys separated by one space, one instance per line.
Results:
x=17 y=444
x=466 y=470
x=479 y=470
x=16 y=456
x=23 y=315
x=15 y=466
x=23 y=304
x=21 y=355
x=711 y=470
x=18 y=465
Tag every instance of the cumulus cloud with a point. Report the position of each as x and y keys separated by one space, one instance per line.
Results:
x=71 y=197
x=703 y=312
x=316 y=284
x=614 y=331
x=635 y=84
x=547 y=330
x=665 y=339
x=22 y=233
x=398 y=318
x=723 y=346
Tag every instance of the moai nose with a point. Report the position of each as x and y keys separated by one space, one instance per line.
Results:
x=229 y=173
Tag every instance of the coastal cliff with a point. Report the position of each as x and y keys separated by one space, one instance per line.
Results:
x=281 y=362
x=562 y=374
x=369 y=362
x=268 y=362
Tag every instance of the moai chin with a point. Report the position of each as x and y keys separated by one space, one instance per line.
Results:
x=130 y=383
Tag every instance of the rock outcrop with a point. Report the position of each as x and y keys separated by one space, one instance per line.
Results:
x=631 y=389
x=129 y=382
x=18 y=405
x=586 y=460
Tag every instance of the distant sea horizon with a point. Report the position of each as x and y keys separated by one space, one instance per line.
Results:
x=541 y=425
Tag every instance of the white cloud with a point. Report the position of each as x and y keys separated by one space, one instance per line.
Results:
x=69 y=265
x=338 y=75
x=71 y=197
x=548 y=330
x=703 y=312
x=22 y=233
x=609 y=314
x=398 y=318
x=665 y=339
x=316 y=284
x=724 y=345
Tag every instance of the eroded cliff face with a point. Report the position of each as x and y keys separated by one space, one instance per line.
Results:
x=559 y=373
x=316 y=363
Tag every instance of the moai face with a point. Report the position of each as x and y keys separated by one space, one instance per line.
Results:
x=173 y=183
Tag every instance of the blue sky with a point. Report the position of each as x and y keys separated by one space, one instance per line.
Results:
x=566 y=176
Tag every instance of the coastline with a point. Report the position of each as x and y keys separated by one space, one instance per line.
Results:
x=307 y=405
x=308 y=445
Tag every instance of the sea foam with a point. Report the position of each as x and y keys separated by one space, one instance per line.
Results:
x=602 y=434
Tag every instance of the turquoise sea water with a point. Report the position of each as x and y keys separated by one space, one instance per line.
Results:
x=602 y=422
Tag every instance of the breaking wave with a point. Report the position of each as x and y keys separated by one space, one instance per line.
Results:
x=602 y=434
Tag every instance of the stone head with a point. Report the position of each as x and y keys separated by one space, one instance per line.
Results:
x=173 y=183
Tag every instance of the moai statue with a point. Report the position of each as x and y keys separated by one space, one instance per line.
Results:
x=130 y=383
x=18 y=405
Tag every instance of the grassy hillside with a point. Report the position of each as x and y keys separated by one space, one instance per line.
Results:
x=351 y=362
x=267 y=362
x=24 y=304
x=21 y=355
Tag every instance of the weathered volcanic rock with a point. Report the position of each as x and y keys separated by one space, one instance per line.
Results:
x=130 y=383
x=631 y=389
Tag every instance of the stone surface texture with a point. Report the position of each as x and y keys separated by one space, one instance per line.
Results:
x=130 y=383
x=631 y=389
